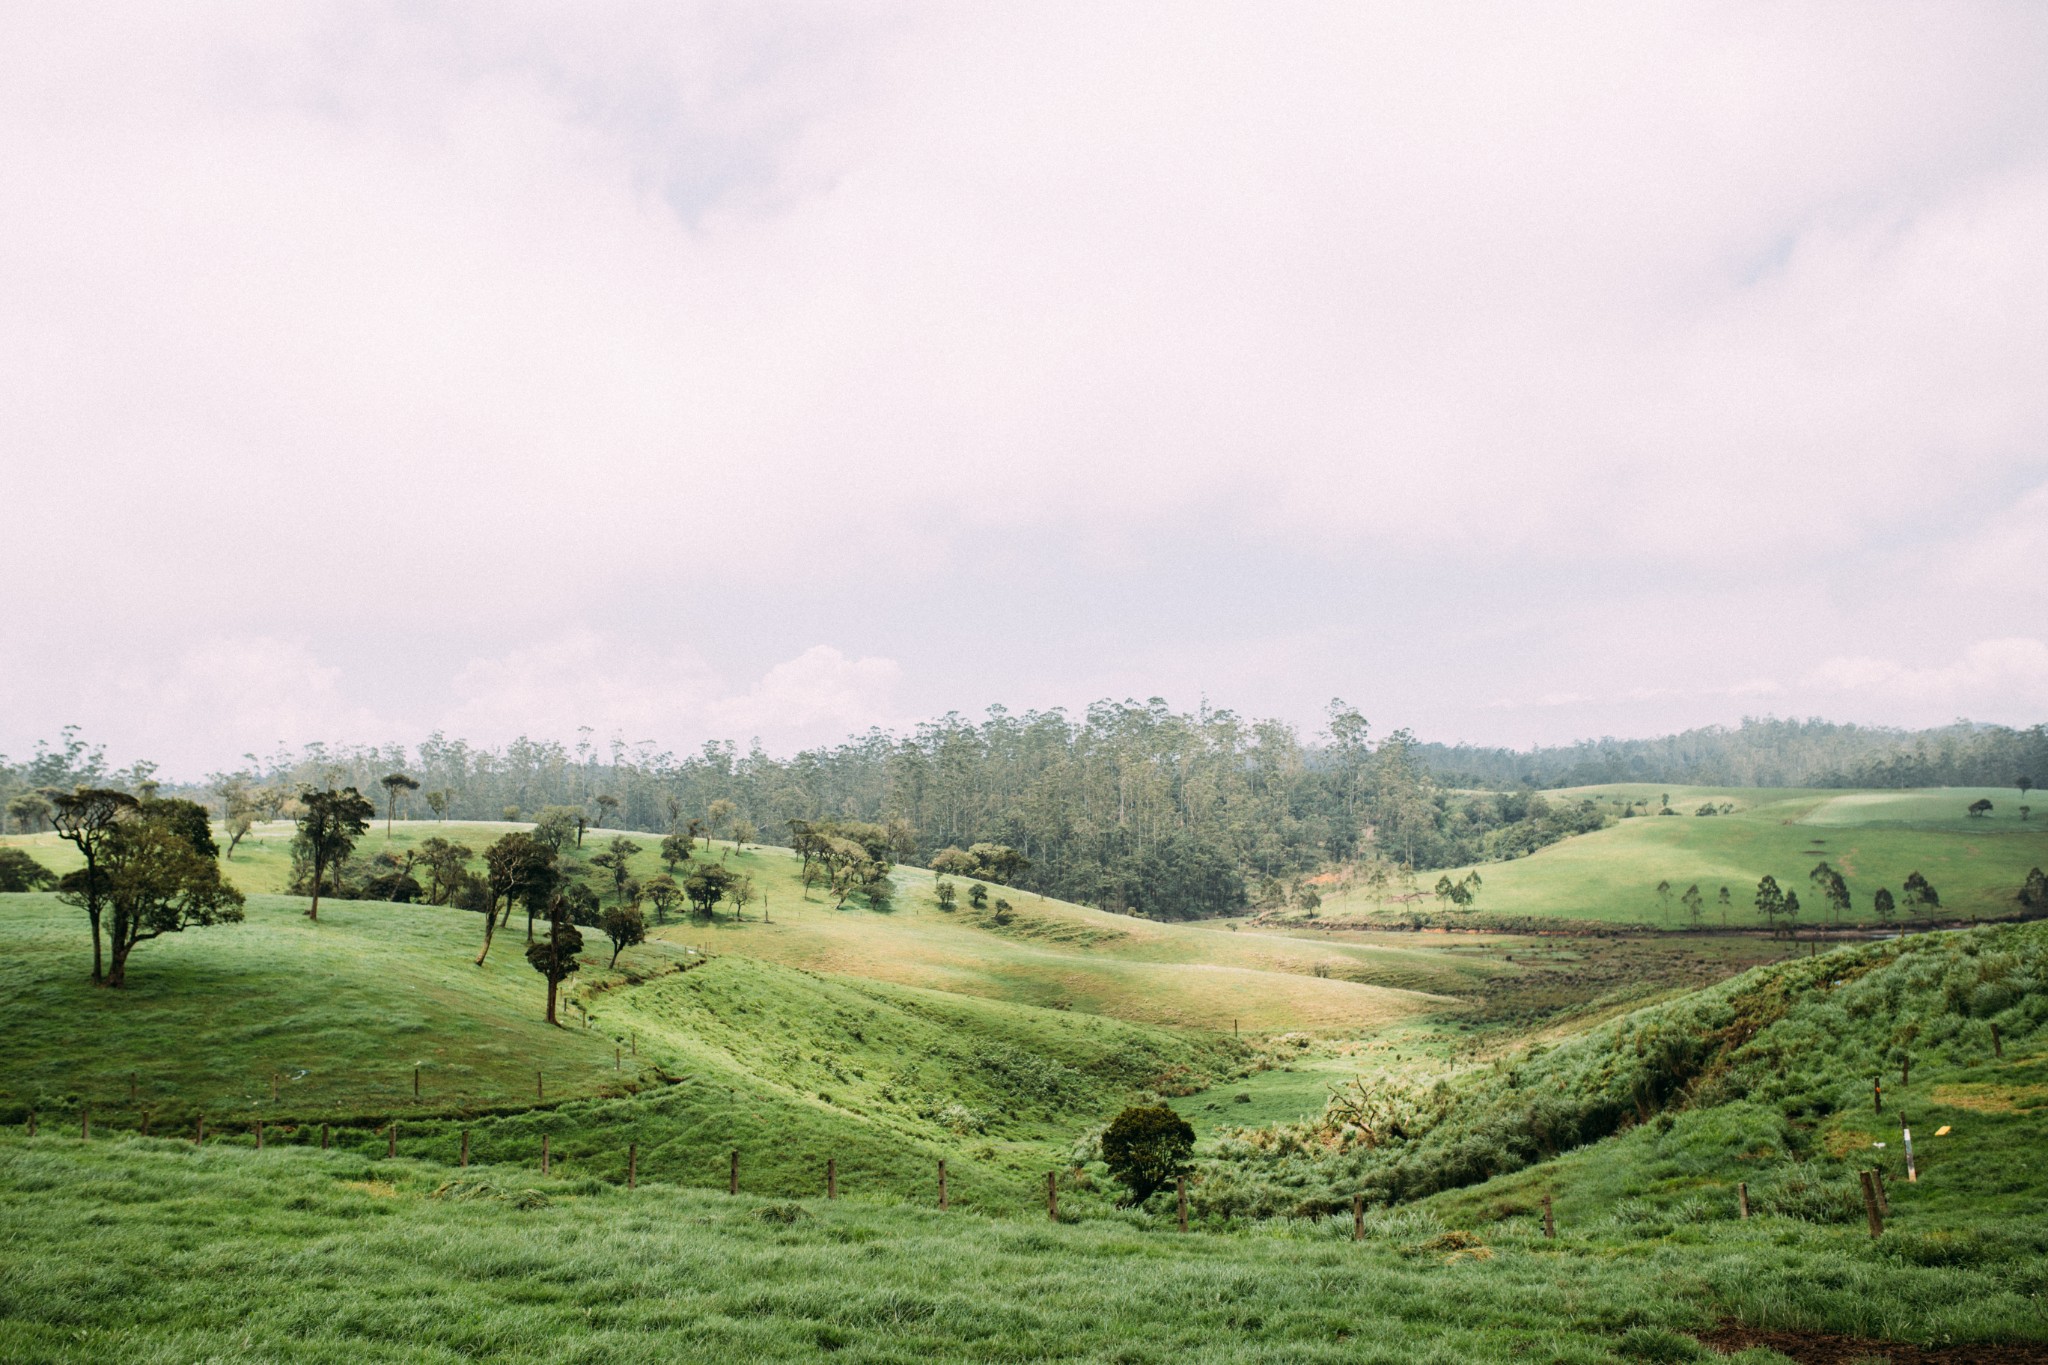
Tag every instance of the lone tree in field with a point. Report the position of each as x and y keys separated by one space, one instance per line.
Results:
x=554 y=957
x=1145 y=1147
x=2025 y=784
x=625 y=926
x=719 y=815
x=393 y=784
x=87 y=818
x=617 y=859
x=666 y=895
x=1979 y=808
x=1920 y=893
x=330 y=822
x=707 y=886
x=947 y=895
x=1882 y=903
x=1664 y=900
x=20 y=872
x=160 y=880
x=1694 y=905
x=438 y=802
x=1724 y=900
x=1831 y=886
x=1770 y=901
x=676 y=848
x=2034 y=891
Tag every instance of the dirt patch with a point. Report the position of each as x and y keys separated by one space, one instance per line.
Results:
x=1829 y=1348
x=1988 y=1099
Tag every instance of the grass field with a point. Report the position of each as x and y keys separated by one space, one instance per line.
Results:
x=1873 y=838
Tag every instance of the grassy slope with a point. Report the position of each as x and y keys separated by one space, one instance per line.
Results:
x=1873 y=838
x=1051 y=954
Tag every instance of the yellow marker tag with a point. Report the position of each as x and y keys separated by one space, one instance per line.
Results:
x=1941 y=1131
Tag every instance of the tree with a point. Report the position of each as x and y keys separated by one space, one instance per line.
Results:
x=607 y=809
x=1724 y=900
x=719 y=815
x=625 y=926
x=1920 y=893
x=617 y=859
x=676 y=849
x=556 y=826
x=1443 y=889
x=1882 y=904
x=1770 y=901
x=87 y=818
x=445 y=864
x=1829 y=883
x=1145 y=1147
x=1979 y=808
x=2025 y=784
x=29 y=811
x=157 y=880
x=743 y=832
x=438 y=802
x=2034 y=891
x=554 y=957
x=241 y=811
x=977 y=896
x=1792 y=913
x=330 y=822
x=666 y=895
x=953 y=862
x=742 y=894
x=1693 y=903
x=947 y=895
x=517 y=867
x=706 y=886
x=20 y=872
x=393 y=784
x=1664 y=899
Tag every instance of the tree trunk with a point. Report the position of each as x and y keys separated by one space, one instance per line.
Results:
x=490 y=927
x=319 y=873
x=551 y=997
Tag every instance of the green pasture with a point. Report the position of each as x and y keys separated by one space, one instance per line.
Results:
x=1873 y=838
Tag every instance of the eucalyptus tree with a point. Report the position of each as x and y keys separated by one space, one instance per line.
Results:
x=393 y=784
x=329 y=824
x=87 y=818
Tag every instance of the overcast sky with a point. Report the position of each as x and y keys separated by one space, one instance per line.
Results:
x=1519 y=373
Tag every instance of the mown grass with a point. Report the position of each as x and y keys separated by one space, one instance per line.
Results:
x=1873 y=838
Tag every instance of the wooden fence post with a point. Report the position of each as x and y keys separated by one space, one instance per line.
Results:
x=1870 y=1205
x=31 y=1123
x=543 y=1153
x=831 y=1177
x=465 y=1149
x=273 y=1087
x=632 y=1165
x=1876 y=1096
x=415 y=1080
x=942 y=1183
x=131 y=1087
x=1742 y=1198
x=1052 y=1195
x=85 y=1123
x=1358 y=1218
x=1181 y=1193
x=259 y=1135
x=391 y=1140
x=1912 y=1173
x=733 y=1185
x=540 y=1092
x=1549 y=1223
x=617 y=1063
x=200 y=1139
x=323 y=1137
x=1884 y=1199
x=1997 y=1043
x=145 y=1123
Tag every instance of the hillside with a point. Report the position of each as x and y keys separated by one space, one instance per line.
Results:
x=1873 y=838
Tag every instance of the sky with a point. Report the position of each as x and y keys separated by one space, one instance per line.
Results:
x=1517 y=373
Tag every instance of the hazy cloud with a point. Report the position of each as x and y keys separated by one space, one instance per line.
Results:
x=1431 y=356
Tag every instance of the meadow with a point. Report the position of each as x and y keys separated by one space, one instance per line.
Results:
x=1874 y=839
x=1633 y=1080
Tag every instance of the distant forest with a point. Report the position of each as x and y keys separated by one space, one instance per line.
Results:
x=1131 y=806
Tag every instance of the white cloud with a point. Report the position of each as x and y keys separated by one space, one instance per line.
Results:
x=2009 y=674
